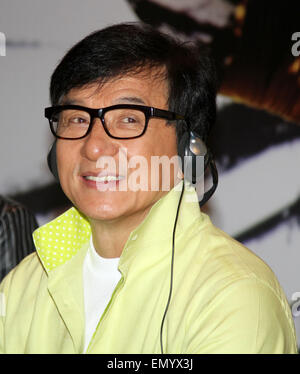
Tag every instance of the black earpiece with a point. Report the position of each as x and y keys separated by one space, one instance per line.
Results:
x=51 y=161
x=190 y=147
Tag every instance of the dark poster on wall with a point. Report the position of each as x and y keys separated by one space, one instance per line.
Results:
x=256 y=49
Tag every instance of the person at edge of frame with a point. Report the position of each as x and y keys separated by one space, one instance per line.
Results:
x=17 y=224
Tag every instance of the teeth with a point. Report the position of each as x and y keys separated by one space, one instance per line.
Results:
x=106 y=178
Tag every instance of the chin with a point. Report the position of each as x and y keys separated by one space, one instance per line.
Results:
x=101 y=210
x=106 y=212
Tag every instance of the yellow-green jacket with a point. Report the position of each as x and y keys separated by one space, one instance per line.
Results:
x=225 y=299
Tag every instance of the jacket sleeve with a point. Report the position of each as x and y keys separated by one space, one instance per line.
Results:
x=246 y=317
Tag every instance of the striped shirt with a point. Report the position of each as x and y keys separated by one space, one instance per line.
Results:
x=16 y=227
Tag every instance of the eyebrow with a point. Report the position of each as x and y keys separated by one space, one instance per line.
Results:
x=119 y=100
x=130 y=99
x=71 y=102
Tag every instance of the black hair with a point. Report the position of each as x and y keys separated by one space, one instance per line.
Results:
x=132 y=47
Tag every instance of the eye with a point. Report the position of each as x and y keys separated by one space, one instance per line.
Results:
x=78 y=120
x=69 y=117
x=132 y=117
x=129 y=120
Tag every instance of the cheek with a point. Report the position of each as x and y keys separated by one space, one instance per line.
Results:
x=151 y=163
x=159 y=142
x=66 y=162
x=167 y=142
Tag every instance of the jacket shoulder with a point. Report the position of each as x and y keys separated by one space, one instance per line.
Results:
x=234 y=287
x=224 y=258
x=29 y=269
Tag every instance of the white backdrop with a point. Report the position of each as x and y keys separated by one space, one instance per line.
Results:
x=38 y=33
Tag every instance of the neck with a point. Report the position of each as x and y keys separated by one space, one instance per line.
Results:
x=109 y=237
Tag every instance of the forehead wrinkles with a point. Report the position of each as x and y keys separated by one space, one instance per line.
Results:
x=85 y=92
x=157 y=75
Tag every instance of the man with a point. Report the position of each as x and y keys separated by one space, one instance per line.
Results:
x=136 y=270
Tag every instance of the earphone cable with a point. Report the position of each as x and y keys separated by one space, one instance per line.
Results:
x=172 y=269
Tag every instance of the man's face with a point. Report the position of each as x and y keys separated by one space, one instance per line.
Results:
x=79 y=161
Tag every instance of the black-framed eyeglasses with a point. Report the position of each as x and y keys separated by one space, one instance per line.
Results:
x=122 y=121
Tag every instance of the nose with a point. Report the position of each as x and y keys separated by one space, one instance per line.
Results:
x=97 y=143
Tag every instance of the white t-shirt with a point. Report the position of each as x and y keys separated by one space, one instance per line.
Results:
x=100 y=277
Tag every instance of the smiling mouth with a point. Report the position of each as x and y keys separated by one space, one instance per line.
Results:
x=104 y=178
